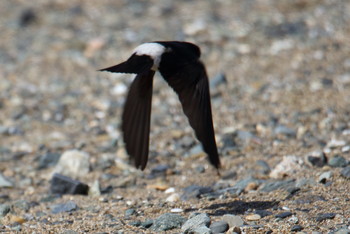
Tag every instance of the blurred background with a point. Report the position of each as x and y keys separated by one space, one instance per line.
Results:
x=270 y=63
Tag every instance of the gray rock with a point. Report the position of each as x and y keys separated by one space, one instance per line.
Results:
x=338 y=161
x=64 y=185
x=195 y=222
x=64 y=207
x=219 y=227
x=195 y=191
x=129 y=212
x=217 y=80
x=22 y=205
x=316 y=158
x=233 y=220
x=264 y=165
x=346 y=172
x=135 y=223
x=4 y=182
x=325 y=177
x=242 y=184
x=274 y=185
x=283 y=130
x=324 y=216
x=147 y=224
x=284 y=214
x=167 y=222
x=201 y=230
x=73 y=163
x=48 y=160
x=342 y=231
x=296 y=228
x=4 y=209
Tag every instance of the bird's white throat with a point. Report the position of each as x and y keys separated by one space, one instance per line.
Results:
x=154 y=50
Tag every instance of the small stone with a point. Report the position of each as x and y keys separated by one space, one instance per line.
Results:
x=219 y=227
x=324 y=216
x=17 y=219
x=293 y=219
x=274 y=185
x=199 y=220
x=130 y=212
x=4 y=182
x=289 y=165
x=167 y=222
x=64 y=207
x=233 y=220
x=195 y=191
x=64 y=185
x=283 y=130
x=296 y=228
x=284 y=215
x=170 y=190
x=95 y=190
x=335 y=143
x=201 y=230
x=263 y=213
x=345 y=172
x=316 y=158
x=175 y=197
x=338 y=161
x=217 y=80
x=253 y=217
x=4 y=210
x=342 y=231
x=73 y=163
x=234 y=230
x=176 y=210
x=147 y=224
x=325 y=177
x=135 y=223
x=48 y=160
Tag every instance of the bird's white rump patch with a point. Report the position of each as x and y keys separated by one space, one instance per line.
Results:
x=154 y=50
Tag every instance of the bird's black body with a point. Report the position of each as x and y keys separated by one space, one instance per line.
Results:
x=179 y=64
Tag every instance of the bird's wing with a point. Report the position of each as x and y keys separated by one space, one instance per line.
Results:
x=190 y=82
x=136 y=118
x=135 y=64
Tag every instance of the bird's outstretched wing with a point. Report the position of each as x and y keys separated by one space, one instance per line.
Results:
x=136 y=118
x=191 y=85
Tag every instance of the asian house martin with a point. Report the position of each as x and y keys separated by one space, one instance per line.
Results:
x=179 y=64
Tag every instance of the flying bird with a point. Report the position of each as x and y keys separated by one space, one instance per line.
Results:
x=179 y=64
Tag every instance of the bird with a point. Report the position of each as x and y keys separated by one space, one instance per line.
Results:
x=179 y=64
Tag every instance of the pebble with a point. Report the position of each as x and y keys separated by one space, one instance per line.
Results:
x=199 y=220
x=289 y=165
x=4 y=209
x=325 y=177
x=338 y=161
x=316 y=158
x=293 y=219
x=147 y=224
x=284 y=215
x=342 y=231
x=135 y=223
x=95 y=190
x=167 y=222
x=296 y=228
x=4 y=182
x=274 y=185
x=129 y=212
x=324 y=216
x=176 y=210
x=61 y=184
x=173 y=198
x=73 y=163
x=201 y=230
x=345 y=172
x=195 y=191
x=283 y=130
x=217 y=80
x=219 y=227
x=253 y=217
x=64 y=207
x=263 y=213
x=233 y=220
x=48 y=160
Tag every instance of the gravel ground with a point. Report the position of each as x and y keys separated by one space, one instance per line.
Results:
x=280 y=87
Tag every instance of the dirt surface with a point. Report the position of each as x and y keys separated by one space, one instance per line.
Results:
x=287 y=93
